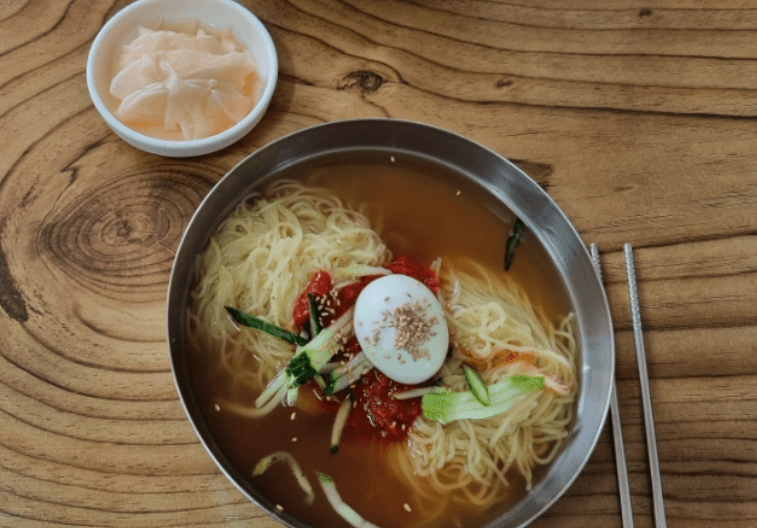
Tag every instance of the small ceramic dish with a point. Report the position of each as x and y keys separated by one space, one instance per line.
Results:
x=123 y=28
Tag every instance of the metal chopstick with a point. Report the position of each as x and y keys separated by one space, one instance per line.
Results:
x=646 y=399
x=626 y=512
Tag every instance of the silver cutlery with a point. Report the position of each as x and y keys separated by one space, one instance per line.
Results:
x=646 y=398
x=621 y=467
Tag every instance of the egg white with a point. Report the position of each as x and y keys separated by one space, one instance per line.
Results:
x=377 y=338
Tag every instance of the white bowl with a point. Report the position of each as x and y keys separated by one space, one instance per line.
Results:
x=123 y=28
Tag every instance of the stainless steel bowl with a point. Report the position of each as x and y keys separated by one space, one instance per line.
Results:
x=503 y=186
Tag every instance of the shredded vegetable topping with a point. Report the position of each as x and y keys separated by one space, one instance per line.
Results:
x=285 y=456
x=345 y=511
x=446 y=407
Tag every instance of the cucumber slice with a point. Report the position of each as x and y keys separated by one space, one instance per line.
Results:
x=477 y=386
x=264 y=326
x=315 y=325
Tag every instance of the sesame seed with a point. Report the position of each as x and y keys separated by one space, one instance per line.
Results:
x=457 y=193
x=217 y=407
x=279 y=507
x=293 y=415
x=407 y=507
x=294 y=439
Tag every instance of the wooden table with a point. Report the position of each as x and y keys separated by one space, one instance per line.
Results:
x=636 y=117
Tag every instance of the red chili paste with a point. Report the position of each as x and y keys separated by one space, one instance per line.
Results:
x=320 y=286
x=377 y=413
x=405 y=265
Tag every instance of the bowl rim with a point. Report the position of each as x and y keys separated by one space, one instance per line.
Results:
x=599 y=333
x=191 y=146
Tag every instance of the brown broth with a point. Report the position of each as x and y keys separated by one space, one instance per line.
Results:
x=425 y=213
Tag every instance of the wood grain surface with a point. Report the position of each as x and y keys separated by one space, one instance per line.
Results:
x=637 y=117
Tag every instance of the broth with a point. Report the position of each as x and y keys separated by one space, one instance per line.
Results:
x=423 y=212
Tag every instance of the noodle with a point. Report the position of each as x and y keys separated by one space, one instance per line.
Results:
x=261 y=259
x=493 y=324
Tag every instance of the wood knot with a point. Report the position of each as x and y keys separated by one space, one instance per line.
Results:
x=11 y=299
x=124 y=232
x=645 y=12
x=503 y=83
x=365 y=81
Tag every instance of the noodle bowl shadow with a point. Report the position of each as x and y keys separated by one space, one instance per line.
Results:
x=502 y=186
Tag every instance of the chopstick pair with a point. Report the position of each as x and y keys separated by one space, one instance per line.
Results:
x=617 y=431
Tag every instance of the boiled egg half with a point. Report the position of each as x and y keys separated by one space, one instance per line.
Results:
x=400 y=326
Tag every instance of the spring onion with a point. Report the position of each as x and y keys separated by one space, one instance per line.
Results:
x=477 y=386
x=264 y=326
x=448 y=406
x=279 y=456
x=512 y=242
x=340 y=420
x=352 y=517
